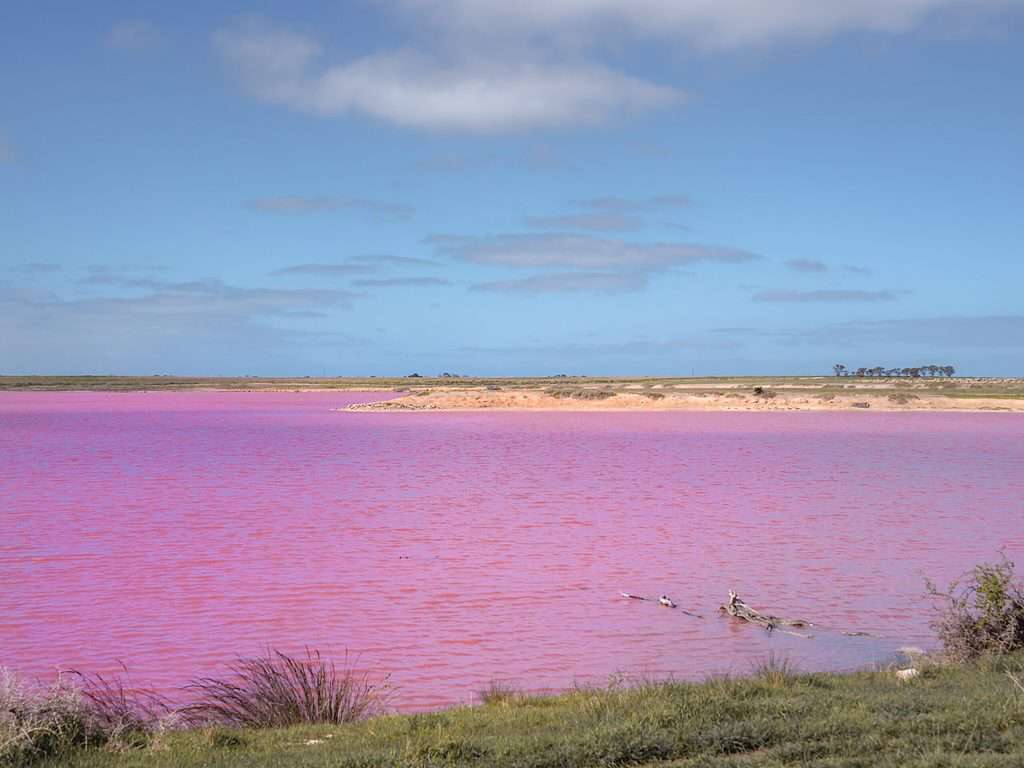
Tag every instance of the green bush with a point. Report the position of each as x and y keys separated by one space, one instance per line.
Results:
x=580 y=393
x=38 y=721
x=982 y=614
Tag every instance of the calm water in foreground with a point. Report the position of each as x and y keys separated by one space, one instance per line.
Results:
x=175 y=531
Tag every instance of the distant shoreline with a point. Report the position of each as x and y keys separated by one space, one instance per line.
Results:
x=563 y=393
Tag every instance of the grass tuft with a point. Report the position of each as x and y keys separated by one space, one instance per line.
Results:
x=775 y=670
x=126 y=716
x=498 y=692
x=276 y=690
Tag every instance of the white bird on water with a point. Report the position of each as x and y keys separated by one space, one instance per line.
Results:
x=664 y=600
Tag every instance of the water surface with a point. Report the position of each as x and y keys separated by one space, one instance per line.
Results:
x=174 y=531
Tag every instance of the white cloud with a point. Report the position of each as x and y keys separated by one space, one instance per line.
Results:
x=477 y=94
x=707 y=24
x=488 y=66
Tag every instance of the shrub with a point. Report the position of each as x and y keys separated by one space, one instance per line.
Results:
x=40 y=721
x=982 y=614
x=277 y=690
x=580 y=393
x=767 y=394
x=902 y=397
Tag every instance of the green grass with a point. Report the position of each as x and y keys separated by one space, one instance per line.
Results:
x=948 y=716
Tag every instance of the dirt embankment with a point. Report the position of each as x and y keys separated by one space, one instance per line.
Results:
x=681 y=399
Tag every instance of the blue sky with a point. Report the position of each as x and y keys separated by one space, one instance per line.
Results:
x=482 y=187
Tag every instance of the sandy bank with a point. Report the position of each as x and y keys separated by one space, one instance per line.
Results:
x=668 y=400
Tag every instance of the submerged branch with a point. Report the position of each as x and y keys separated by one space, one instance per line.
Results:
x=663 y=600
x=741 y=610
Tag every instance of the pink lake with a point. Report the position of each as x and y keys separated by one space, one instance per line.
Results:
x=176 y=531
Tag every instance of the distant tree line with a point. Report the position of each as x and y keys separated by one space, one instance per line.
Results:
x=914 y=373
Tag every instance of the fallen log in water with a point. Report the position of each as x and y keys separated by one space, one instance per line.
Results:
x=740 y=610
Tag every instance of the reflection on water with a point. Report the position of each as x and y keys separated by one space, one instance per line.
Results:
x=174 y=531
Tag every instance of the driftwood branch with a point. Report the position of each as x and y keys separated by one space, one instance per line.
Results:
x=740 y=610
x=663 y=600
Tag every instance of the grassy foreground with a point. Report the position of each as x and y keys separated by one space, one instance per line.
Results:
x=971 y=715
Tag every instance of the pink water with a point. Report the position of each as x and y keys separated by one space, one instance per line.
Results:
x=174 y=531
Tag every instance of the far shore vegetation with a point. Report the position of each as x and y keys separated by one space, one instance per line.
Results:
x=921 y=371
x=962 y=707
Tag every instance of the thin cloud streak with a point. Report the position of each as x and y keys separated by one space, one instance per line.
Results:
x=853 y=269
x=36 y=268
x=387 y=260
x=825 y=296
x=298 y=204
x=598 y=222
x=400 y=282
x=324 y=270
x=637 y=347
x=581 y=252
x=188 y=328
x=571 y=282
x=807 y=265
x=610 y=214
x=960 y=332
x=134 y=35
x=200 y=295
x=648 y=205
